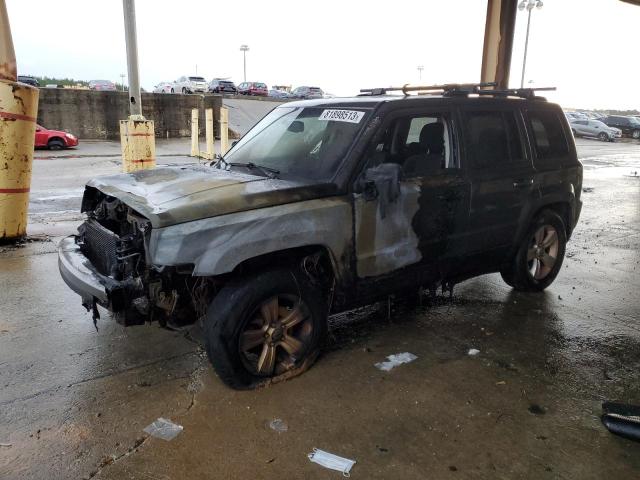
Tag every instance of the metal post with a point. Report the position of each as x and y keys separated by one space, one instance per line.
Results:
x=195 y=143
x=526 y=47
x=18 y=112
x=224 y=130
x=208 y=114
x=129 y=8
x=244 y=49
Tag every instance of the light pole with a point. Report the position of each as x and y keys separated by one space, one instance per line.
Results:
x=244 y=49
x=420 y=68
x=528 y=4
x=122 y=75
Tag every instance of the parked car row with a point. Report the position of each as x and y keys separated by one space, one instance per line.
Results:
x=194 y=84
x=602 y=126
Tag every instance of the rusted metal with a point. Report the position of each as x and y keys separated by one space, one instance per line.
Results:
x=18 y=111
x=8 y=70
x=224 y=130
x=498 y=42
x=137 y=138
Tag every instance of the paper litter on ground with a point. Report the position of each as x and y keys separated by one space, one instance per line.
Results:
x=164 y=429
x=395 y=360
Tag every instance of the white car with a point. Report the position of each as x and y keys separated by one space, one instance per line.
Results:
x=595 y=129
x=190 y=85
x=163 y=87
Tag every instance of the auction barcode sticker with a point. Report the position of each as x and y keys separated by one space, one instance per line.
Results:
x=351 y=116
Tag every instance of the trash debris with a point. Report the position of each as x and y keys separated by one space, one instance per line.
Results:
x=473 y=352
x=537 y=409
x=331 y=461
x=278 y=425
x=5 y=444
x=622 y=419
x=587 y=189
x=164 y=429
x=501 y=382
x=395 y=360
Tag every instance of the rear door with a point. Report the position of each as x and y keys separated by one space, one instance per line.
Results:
x=501 y=176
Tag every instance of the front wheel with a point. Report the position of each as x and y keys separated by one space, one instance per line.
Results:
x=539 y=258
x=173 y=91
x=184 y=90
x=55 y=144
x=636 y=134
x=603 y=136
x=265 y=327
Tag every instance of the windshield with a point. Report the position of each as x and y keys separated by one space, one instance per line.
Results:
x=196 y=79
x=302 y=142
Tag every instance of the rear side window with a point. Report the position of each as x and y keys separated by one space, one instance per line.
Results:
x=548 y=134
x=494 y=138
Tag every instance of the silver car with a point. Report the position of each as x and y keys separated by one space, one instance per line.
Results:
x=190 y=85
x=595 y=129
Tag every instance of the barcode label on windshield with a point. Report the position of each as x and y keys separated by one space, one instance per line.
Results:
x=351 y=116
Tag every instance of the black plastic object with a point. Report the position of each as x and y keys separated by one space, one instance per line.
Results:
x=622 y=419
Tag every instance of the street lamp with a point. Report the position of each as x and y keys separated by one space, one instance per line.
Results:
x=528 y=4
x=244 y=49
x=420 y=68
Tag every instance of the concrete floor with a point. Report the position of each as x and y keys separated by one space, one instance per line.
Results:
x=73 y=401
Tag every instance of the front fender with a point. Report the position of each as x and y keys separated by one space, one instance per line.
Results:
x=215 y=246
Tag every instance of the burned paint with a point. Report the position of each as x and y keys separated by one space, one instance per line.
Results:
x=171 y=195
x=217 y=245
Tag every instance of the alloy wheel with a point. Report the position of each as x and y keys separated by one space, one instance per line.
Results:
x=276 y=336
x=543 y=252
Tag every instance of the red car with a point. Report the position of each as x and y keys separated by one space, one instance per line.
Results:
x=253 y=88
x=54 y=139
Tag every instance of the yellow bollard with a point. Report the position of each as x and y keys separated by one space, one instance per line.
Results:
x=195 y=144
x=18 y=112
x=137 y=137
x=224 y=130
x=208 y=113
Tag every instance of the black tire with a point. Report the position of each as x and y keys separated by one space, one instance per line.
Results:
x=535 y=274
x=232 y=316
x=636 y=134
x=574 y=133
x=184 y=91
x=55 y=144
x=603 y=137
x=172 y=90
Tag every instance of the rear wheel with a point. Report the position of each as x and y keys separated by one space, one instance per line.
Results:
x=540 y=256
x=184 y=90
x=603 y=136
x=55 y=144
x=636 y=134
x=265 y=328
x=172 y=90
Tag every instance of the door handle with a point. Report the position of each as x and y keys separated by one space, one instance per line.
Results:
x=523 y=183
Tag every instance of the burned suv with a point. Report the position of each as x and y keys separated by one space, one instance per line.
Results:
x=326 y=205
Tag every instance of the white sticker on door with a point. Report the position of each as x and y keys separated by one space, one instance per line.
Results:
x=351 y=116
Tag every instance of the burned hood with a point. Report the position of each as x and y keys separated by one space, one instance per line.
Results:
x=178 y=194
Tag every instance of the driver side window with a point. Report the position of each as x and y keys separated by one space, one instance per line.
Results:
x=421 y=144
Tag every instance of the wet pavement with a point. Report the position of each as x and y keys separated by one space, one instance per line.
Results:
x=74 y=401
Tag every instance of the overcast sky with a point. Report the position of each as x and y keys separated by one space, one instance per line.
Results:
x=586 y=48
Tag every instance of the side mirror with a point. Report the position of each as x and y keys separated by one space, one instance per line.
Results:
x=296 y=127
x=370 y=191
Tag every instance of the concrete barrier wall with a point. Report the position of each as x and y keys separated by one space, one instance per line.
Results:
x=96 y=115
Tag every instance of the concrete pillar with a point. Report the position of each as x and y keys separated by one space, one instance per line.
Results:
x=498 y=42
x=209 y=133
x=224 y=130
x=195 y=144
x=137 y=138
x=18 y=112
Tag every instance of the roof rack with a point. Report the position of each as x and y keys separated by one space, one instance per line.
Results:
x=528 y=93
x=452 y=89
x=446 y=87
